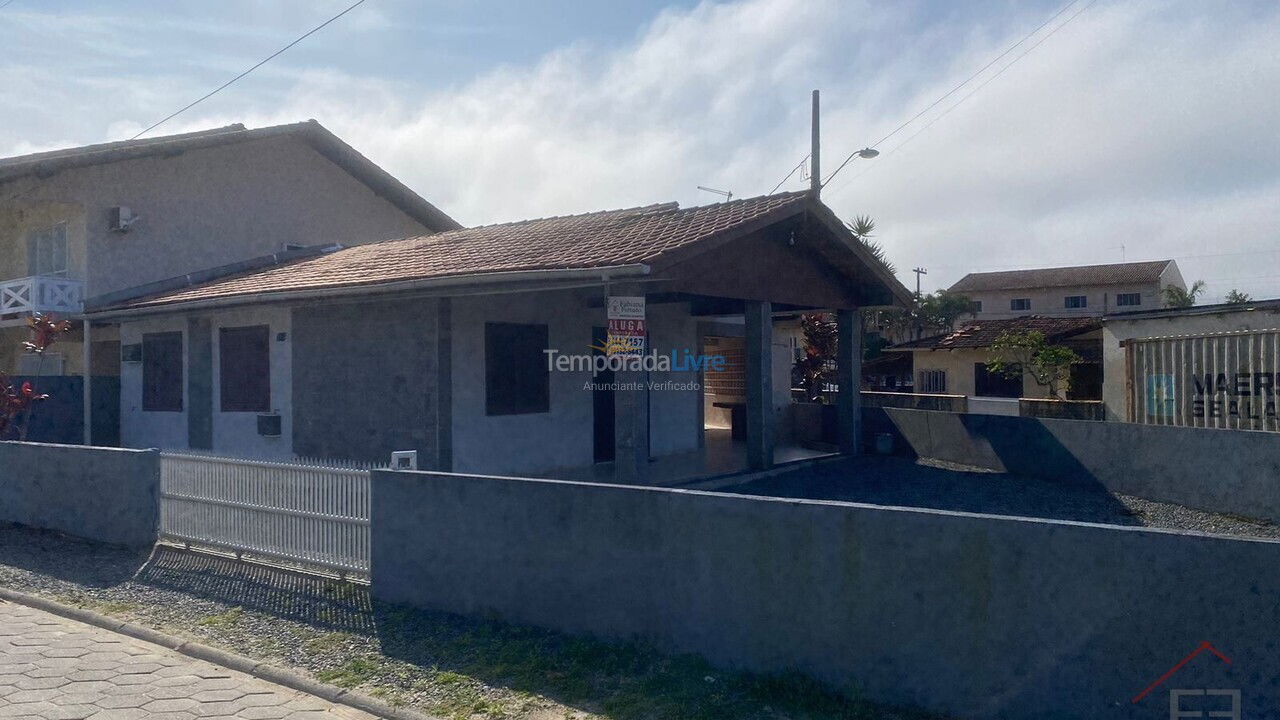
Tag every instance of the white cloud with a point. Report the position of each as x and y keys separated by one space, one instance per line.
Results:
x=1145 y=124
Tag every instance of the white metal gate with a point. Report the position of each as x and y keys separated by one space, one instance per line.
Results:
x=299 y=513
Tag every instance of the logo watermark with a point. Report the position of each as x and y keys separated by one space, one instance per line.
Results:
x=596 y=363
x=1177 y=708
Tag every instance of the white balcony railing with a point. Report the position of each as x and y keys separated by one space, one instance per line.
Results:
x=39 y=294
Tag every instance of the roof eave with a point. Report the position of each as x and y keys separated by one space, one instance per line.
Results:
x=531 y=277
x=330 y=146
x=897 y=290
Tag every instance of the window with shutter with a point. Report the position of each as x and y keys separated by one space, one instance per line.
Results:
x=162 y=372
x=245 y=368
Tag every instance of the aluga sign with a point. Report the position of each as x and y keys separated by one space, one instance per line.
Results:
x=1223 y=380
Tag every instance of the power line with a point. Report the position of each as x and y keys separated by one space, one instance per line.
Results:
x=974 y=91
x=969 y=79
x=264 y=61
x=788 y=177
x=6 y=4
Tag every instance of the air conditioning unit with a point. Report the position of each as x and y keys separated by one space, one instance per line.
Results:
x=120 y=218
x=269 y=425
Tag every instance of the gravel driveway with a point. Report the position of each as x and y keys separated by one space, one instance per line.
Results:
x=946 y=486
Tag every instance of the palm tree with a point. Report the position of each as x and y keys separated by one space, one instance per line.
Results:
x=1235 y=297
x=862 y=227
x=1176 y=297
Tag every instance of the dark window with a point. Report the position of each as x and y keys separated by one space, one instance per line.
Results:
x=1020 y=304
x=162 y=372
x=989 y=384
x=1086 y=382
x=1075 y=301
x=931 y=381
x=516 y=379
x=1128 y=299
x=977 y=306
x=245 y=368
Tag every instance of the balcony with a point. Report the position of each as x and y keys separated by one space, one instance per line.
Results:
x=22 y=297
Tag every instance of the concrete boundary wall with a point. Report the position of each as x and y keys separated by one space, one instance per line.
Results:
x=1232 y=471
x=970 y=615
x=102 y=494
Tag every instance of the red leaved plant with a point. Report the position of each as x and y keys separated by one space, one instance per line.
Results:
x=19 y=400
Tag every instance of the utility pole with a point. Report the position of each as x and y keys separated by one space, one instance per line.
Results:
x=919 y=271
x=815 y=152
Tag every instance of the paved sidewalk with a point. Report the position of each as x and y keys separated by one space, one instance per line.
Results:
x=58 y=669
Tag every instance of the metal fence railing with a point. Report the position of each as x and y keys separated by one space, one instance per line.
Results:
x=307 y=514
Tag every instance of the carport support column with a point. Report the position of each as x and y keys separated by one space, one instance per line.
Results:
x=759 y=356
x=630 y=416
x=849 y=378
x=87 y=372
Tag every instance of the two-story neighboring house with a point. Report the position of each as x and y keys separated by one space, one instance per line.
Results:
x=1064 y=304
x=1079 y=291
x=103 y=222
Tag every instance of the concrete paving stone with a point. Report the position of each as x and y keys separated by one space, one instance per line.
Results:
x=265 y=712
x=42 y=683
x=32 y=695
x=70 y=712
x=25 y=710
x=52 y=668
x=218 y=695
x=171 y=704
x=116 y=702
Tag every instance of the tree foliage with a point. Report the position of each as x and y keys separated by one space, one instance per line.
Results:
x=1029 y=353
x=1176 y=297
x=817 y=367
x=862 y=228
x=930 y=315
x=1235 y=297
x=943 y=308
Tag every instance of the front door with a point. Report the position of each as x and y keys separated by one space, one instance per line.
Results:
x=602 y=401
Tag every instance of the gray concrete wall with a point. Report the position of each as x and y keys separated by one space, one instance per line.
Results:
x=102 y=494
x=975 y=616
x=364 y=380
x=1235 y=471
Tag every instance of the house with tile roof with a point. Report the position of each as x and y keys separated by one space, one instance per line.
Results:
x=484 y=349
x=1077 y=291
x=95 y=222
x=955 y=363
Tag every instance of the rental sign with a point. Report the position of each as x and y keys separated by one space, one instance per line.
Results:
x=627 y=330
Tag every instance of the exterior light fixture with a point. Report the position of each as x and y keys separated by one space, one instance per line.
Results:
x=868 y=153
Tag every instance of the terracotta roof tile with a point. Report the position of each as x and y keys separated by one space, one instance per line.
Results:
x=982 y=333
x=1115 y=274
x=599 y=239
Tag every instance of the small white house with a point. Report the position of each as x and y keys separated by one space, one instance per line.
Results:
x=475 y=347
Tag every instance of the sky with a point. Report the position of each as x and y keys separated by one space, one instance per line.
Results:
x=1139 y=130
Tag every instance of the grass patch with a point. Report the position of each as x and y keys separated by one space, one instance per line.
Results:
x=328 y=643
x=222 y=620
x=621 y=681
x=353 y=673
x=116 y=608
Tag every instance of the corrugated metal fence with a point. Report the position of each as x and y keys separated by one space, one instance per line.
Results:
x=306 y=514
x=1221 y=380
